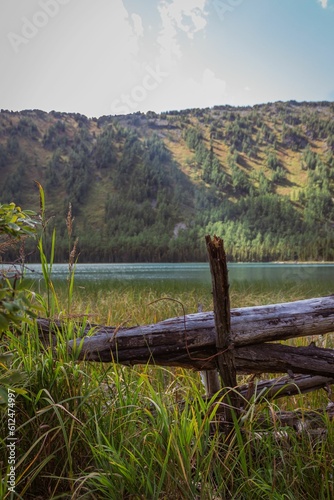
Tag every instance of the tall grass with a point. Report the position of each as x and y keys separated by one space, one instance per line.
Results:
x=103 y=431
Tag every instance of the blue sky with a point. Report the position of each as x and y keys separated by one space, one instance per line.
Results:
x=100 y=57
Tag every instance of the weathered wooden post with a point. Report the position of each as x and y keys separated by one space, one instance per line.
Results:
x=222 y=316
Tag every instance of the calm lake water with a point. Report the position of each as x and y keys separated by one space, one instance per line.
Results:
x=318 y=277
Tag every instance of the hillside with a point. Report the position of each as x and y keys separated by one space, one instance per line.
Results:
x=148 y=187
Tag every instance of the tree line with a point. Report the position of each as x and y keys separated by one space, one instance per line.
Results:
x=129 y=193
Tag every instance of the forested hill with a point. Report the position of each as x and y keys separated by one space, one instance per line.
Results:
x=148 y=187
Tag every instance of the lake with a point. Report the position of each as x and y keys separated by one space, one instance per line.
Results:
x=317 y=277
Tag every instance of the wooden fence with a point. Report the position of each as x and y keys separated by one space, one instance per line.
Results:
x=243 y=340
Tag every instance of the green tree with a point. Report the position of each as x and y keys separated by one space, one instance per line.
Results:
x=105 y=154
x=193 y=137
x=3 y=156
x=240 y=181
x=272 y=161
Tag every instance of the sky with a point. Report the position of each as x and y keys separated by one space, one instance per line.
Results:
x=109 y=57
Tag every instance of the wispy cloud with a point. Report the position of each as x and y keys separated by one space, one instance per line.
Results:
x=137 y=25
x=181 y=22
x=185 y=16
x=324 y=3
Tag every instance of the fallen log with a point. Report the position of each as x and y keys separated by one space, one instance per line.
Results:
x=189 y=341
x=278 y=358
x=263 y=358
x=281 y=387
x=310 y=421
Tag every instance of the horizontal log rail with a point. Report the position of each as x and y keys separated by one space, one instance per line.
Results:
x=283 y=386
x=189 y=341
